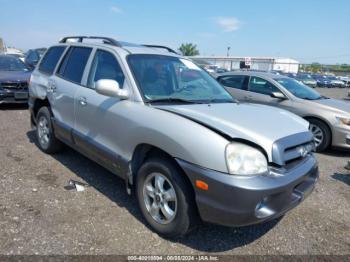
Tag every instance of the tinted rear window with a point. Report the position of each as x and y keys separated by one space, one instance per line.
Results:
x=234 y=81
x=73 y=65
x=50 y=59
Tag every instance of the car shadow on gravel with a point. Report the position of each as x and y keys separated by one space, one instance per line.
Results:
x=6 y=107
x=337 y=152
x=205 y=238
x=345 y=178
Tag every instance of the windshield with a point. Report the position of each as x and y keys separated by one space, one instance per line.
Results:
x=172 y=79
x=298 y=89
x=11 y=63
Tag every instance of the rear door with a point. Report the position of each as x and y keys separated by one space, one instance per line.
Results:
x=236 y=85
x=63 y=87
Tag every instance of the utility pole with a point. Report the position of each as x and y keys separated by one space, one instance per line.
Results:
x=2 y=46
x=228 y=54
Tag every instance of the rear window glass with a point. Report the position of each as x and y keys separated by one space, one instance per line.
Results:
x=50 y=59
x=233 y=81
x=73 y=65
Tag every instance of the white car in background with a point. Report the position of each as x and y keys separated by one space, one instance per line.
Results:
x=346 y=80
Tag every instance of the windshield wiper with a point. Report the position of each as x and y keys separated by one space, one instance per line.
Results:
x=218 y=100
x=173 y=100
x=318 y=98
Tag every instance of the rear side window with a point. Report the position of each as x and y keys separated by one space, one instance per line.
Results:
x=50 y=59
x=73 y=65
x=237 y=82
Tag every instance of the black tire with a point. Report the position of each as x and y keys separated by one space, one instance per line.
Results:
x=185 y=217
x=53 y=145
x=326 y=134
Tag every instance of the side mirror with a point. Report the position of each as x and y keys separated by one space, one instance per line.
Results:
x=278 y=95
x=109 y=87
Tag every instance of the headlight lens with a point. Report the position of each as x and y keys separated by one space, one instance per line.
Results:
x=344 y=120
x=245 y=160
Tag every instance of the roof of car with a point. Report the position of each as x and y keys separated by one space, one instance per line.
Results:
x=253 y=73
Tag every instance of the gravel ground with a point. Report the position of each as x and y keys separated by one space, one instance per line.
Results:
x=39 y=216
x=339 y=93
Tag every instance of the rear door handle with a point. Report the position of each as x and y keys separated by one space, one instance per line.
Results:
x=82 y=101
x=51 y=86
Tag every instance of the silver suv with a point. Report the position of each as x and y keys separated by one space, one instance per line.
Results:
x=173 y=133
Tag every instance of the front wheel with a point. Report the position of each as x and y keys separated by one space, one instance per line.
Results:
x=322 y=135
x=165 y=197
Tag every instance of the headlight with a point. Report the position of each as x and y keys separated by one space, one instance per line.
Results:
x=245 y=160
x=343 y=120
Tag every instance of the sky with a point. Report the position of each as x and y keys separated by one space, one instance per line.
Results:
x=306 y=30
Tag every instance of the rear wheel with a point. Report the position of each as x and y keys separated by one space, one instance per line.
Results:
x=322 y=134
x=45 y=134
x=165 y=198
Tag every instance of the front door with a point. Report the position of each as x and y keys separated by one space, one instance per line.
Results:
x=260 y=91
x=100 y=120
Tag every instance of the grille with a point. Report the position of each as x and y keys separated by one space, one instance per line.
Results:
x=14 y=85
x=291 y=148
x=297 y=152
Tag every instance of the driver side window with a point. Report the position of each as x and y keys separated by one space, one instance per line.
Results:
x=261 y=86
x=105 y=66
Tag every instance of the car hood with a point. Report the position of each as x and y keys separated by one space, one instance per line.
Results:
x=323 y=80
x=334 y=104
x=337 y=81
x=14 y=76
x=262 y=125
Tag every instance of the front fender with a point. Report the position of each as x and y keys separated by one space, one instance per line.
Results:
x=179 y=137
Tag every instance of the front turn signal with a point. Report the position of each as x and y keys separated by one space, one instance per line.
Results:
x=202 y=185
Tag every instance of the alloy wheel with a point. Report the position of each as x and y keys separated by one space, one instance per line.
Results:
x=160 y=198
x=318 y=134
x=43 y=131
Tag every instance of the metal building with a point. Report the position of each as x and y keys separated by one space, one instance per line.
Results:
x=286 y=65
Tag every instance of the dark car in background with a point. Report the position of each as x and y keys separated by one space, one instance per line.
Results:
x=33 y=56
x=14 y=79
x=322 y=81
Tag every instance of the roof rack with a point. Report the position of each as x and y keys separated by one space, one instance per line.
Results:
x=163 y=47
x=106 y=40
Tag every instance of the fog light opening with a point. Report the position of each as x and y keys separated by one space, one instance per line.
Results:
x=262 y=210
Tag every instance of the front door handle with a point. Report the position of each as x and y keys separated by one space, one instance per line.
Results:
x=82 y=101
